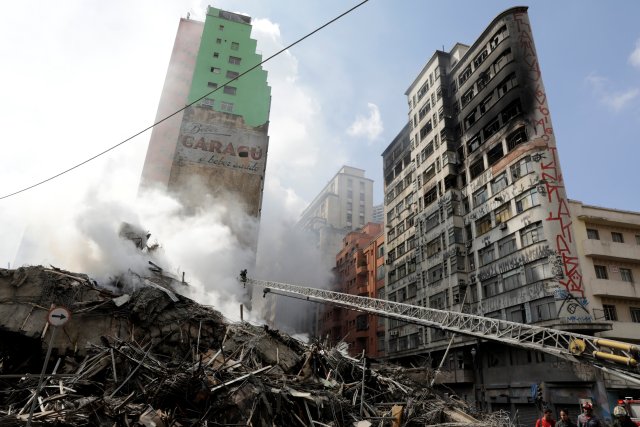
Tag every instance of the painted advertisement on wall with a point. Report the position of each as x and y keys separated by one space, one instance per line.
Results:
x=218 y=154
x=216 y=140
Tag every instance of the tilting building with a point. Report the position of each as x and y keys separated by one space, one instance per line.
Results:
x=478 y=220
x=217 y=146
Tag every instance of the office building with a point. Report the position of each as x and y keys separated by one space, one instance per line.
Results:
x=218 y=146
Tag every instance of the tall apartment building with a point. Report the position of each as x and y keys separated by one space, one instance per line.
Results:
x=218 y=146
x=378 y=213
x=343 y=205
x=479 y=185
x=356 y=267
x=609 y=250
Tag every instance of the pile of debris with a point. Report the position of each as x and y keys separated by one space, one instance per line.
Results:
x=154 y=358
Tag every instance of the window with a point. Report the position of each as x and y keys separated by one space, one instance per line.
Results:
x=232 y=74
x=474 y=143
x=543 y=309
x=610 y=312
x=635 y=314
x=476 y=168
x=480 y=58
x=423 y=90
x=424 y=110
x=230 y=90
x=425 y=130
x=601 y=271
x=216 y=70
x=531 y=234
x=467 y=96
x=507 y=246
x=507 y=84
x=637 y=239
x=499 y=184
x=221 y=27
x=516 y=138
x=491 y=288
x=527 y=200
x=434 y=247
x=486 y=255
x=511 y=280
x=216 y=54
x=522 y=168
x=537 y=271
x=235 y=46
x=617 y=237
x=208 y=102
x=234 y=60
x=470 y=119
x=479 y=197
x=625 y=275
x=593 y=234
x=212 y=85
x=504 y=58
x=491 y=129
x=486 y=104
x=513 y=110
x=498 y=37
x=503 y=213
x=483 y=225
x=464 y=75
x=226 y=107
x=218 y=41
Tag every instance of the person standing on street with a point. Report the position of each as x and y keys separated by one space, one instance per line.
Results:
x=564 y=420
x=587 y=419
x=622 y=418
x=546 y=420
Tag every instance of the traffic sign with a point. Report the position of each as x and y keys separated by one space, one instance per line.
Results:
x=58 y=316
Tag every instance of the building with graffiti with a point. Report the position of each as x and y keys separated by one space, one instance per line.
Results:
x=479 y=221
x=217 y=147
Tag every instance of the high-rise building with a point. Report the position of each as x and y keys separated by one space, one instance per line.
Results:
x=378 y=214
x=343 y=205
x=478 y=184
x=217 y=146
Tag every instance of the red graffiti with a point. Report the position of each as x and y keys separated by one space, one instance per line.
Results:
x=551 y=174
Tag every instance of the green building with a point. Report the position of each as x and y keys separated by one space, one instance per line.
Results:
x=217 y=147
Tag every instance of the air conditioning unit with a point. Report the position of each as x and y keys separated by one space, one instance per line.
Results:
x=503 y=226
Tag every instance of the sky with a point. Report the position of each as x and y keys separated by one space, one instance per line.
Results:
x=82 y=75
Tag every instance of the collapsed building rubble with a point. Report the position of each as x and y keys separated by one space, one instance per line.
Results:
x=146 y=356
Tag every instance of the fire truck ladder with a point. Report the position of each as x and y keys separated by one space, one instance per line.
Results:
x=614 y=357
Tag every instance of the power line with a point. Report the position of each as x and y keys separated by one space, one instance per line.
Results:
x=185 y=107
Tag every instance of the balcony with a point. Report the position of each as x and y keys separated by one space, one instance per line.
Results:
x=614 y=288
x=611 y=250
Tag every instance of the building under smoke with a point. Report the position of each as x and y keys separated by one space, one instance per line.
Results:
x=217 y=147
